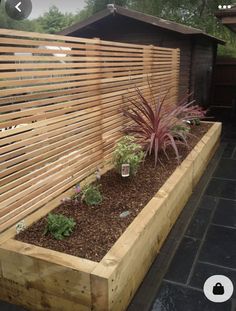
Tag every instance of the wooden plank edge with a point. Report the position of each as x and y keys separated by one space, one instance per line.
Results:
x=48 y=255
x=98 y=273
x=110 y=267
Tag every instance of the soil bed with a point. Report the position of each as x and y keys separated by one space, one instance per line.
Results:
x=98 y=228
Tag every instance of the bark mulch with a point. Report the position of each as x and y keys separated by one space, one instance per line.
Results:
x=98 y=228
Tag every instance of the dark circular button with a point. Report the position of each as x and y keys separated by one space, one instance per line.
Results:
x=18 y=9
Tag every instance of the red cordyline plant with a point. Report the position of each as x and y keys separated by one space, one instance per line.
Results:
x=187 y=110
x=153 y=123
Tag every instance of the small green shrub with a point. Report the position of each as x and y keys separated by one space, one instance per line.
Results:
x=180 y=131
x=91 y=195
x=59 y=226
x=196 y=121
x=127 y=151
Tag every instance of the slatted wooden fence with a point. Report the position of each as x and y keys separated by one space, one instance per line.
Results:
x=59 y=110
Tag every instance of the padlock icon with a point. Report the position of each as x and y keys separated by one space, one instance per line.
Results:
x=218 y=289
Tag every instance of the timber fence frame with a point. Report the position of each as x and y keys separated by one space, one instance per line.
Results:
x=60 y=100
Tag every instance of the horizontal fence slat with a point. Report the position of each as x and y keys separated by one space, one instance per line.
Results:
x=60 y=110
x=74 y=77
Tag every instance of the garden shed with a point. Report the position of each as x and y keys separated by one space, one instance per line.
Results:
x=228 y=17
x=198 y=49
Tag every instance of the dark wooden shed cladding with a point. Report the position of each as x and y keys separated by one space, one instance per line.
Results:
x=224 y=90
x=197 y=49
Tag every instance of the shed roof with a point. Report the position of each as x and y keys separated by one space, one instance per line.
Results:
x=228 y=17
x=149 y=19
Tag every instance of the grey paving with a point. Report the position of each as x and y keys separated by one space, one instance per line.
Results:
x=225 y=213
x=222 y=188
x=199 y=223
x=182 y=262
x=219 y=246
x=9 y=307
x=229 y=150
x=208 y=202
x=204 y=270
x=226 y=169
x=176 y=297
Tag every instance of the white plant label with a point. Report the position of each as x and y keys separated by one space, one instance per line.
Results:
x=125 y=170
x=20 y=226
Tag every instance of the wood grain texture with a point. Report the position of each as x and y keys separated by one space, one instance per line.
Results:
x=42 y=279
x=60 y=101
x=125 y=265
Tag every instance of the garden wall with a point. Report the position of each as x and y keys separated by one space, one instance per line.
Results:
x=60 y=102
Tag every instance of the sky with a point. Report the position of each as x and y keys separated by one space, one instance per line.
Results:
x=41 y=6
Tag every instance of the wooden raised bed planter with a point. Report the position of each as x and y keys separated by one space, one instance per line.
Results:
x=42 y=279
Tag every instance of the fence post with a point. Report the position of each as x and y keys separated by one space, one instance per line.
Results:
x=99 y=92
x=148 y=67
x=175 y=75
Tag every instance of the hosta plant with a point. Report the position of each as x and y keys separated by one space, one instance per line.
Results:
x=127 y=151
x=153 y=122
x=59 y=226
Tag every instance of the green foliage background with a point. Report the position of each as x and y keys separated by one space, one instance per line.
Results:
x=195 y=13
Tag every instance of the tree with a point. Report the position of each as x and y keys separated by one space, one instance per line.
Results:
x=9 y=23
x=54 y=21
x=195 y=13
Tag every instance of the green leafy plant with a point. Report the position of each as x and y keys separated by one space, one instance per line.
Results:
x=180 y=131
x=196 y=121
x=59 y=226
x=91 y=195
x=127 y=151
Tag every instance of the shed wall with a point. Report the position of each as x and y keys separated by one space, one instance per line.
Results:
x=127 y=30
x=224 y=88
x=165 y=41
x=196 y=55
x=203 y=63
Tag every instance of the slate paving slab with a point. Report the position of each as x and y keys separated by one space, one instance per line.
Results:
x=199 y=223
x=9 y=307
x=229 y=150
x=183 y=260
x=226 y=169
x=219 y=247
x=203 y=271
x=222 y=188
x=225 y=213
x=173 y=297
x=208 y=202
